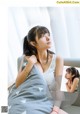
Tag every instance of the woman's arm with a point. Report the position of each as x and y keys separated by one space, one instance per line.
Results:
x=58 y=78
x=21 y=77
x=73 y=86
x=59 y=66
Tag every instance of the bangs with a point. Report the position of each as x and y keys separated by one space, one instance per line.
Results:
x=71 y=70
x=68 y=70
x=41 y=31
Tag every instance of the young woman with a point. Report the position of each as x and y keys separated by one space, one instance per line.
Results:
x=72 y=75
x=37 y=54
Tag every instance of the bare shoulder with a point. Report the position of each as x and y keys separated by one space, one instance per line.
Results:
x=59 y=66
x=59 y=59
x=76 y=80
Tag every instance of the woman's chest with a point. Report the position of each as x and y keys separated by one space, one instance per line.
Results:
x=48 y=74
x=43 y=67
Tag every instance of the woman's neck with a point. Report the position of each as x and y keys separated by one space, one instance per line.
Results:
x=42 y=55
x=70 y=80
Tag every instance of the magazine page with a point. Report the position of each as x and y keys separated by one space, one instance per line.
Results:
x=39 y=56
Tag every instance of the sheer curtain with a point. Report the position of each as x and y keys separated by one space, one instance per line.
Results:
x=63 y=23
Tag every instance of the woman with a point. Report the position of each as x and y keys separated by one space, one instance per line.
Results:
x=72 y=75
x=36 y=53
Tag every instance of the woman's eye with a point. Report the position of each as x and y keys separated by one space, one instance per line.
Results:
x=44 y=35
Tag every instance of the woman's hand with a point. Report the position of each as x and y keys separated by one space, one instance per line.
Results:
x=32 y=59
x=68 y=84
x=53 y=112
x=21 y=77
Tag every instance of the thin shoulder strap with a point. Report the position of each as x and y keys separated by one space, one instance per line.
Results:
x=54 y=61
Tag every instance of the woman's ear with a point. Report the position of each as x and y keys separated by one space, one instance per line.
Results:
x=33 y=44
x=73 y=75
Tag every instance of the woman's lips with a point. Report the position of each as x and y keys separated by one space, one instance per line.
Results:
x=49 y=43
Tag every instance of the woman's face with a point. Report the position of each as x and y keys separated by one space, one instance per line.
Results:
x=68 y=75
x=44 y=42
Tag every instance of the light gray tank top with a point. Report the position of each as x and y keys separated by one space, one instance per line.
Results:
x=49 y=75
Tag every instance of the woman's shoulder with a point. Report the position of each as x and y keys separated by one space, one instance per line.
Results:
x=25 y=57
x=59 y=60
x=22 y=58
x=51 y=54
x=76 y=79
x=57 y=57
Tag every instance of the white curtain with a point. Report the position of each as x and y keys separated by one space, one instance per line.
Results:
x=63 y=23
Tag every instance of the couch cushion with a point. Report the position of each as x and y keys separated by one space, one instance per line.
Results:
x=72 y=109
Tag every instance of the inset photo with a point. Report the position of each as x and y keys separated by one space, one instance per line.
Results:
x=71 y=79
